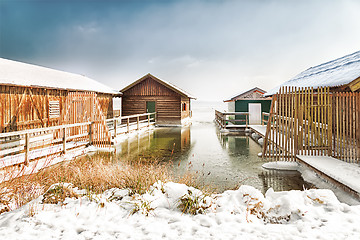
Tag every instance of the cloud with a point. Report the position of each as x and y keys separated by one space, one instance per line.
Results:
x=210 y=48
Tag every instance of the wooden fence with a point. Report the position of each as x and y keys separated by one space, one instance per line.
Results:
x=224 y=118
x=315 y=122
x=346 y=126
x=23 y=146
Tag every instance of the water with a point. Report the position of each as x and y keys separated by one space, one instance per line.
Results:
x=224 y=162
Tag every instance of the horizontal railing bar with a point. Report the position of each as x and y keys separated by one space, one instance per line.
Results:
x=45 y=129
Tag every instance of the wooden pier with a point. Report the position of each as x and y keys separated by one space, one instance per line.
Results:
x=21 y=147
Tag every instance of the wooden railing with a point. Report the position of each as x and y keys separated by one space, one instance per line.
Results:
x=264 y=118
x=224 y=118
x=44 y=142
x=23 y=146
x=127 y=124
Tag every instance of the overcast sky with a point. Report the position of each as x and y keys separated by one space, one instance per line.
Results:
x=212 y=49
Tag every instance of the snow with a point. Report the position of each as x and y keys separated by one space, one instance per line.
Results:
x=334 y=73
x=242 y=213
x=281 y=165
x=23 y=74
x=349 y=174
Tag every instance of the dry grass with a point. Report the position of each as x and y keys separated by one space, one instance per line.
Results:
x=95 y=173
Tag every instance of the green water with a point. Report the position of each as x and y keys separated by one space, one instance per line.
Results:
x=224 y=162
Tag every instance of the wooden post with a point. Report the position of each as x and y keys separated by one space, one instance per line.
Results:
x=115 y=127
x=64 y=140
x=90 y=133
x=148 y=120
x=128 y=124
x=137 y=122
x=27 y=147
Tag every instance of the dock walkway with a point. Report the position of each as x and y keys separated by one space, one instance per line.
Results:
x=259 y=129
x=345 y=174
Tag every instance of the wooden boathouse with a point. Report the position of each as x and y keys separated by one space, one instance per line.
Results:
x=35 y=97
x=151 y=94
x=315 y=119
x=46 y=112
x=251 y=101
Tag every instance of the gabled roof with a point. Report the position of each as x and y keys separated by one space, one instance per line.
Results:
x=28 y=75
x=244 y=93
x=336 y=73
x=165 y=83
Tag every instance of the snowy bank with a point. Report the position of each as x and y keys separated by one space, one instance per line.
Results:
x=159 y=213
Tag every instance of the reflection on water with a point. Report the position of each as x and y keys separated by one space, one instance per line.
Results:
x=224 y=162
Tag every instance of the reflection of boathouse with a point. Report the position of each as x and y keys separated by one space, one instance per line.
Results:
x=160 y=144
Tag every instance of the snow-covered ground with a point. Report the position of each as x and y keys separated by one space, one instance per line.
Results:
x=235 y=214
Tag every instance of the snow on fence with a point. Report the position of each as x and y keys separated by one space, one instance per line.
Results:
x=314 y=122
x=23 y=146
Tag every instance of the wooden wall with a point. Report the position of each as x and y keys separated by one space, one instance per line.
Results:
x=168 y=102
x=185 y=113
x=167 y=107
x=26 y=108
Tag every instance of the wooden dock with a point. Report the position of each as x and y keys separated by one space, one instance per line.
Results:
x=340 y=173
x=21 y=147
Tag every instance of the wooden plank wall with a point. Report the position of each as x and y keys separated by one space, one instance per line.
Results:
x=168 y=102
x=167 y=107
x=25 y=108
x=346 y=125
x=84 y=107
x=185 y=113
x=300 y=122
x=313 y=122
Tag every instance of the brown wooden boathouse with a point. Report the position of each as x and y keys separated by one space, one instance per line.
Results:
x=150 y=94
x=35 y=97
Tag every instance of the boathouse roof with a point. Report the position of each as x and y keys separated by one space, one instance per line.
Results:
x=165 y=83
x=23 y=74
x=252 y=94
x=344 y=71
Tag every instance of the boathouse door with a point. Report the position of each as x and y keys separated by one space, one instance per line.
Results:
x=150 y=107
x=254 y=113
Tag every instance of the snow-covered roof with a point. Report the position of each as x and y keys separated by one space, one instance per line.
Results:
x=23 y=74
x=335 y=73
x=244 y=93
x=165 y=83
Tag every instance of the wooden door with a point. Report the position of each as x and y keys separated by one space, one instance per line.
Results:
x=254 y=113
x=150 y=106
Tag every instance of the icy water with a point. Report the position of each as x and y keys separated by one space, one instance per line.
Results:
x=224 y=162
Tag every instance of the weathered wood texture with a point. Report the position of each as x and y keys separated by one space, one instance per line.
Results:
x=85 y=107
x=168 y=103
x=24 y=108
x=315 y=122
x=185 y=108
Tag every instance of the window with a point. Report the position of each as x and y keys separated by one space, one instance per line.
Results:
x=54 y=109
x=184 y=107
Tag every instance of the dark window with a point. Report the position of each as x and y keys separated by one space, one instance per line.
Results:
x=184 y=106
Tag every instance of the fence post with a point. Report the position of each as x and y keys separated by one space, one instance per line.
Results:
x=115 y=127
x=90 y=133
x=149 y=120
x=128 y=124
x=64 y=140
x=137 y=121
x=27 y=144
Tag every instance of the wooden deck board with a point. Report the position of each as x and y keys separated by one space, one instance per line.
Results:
x=340 y=171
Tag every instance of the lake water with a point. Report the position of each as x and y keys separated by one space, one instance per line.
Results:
x=223 y=162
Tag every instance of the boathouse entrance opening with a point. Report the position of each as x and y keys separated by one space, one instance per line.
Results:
x=150 y=106
x=254 y=113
